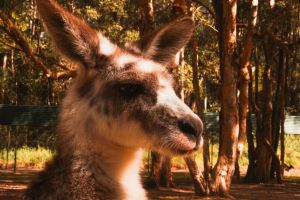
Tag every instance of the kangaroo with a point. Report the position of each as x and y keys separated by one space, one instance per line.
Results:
x=121 y=101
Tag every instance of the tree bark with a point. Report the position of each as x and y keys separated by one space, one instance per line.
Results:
x=251 y=153
x=200 y=111
x=3 y=79
x=145 y=8
x=155 y=167
x=181 y=7
x=146 y=25
x=276 y=118
x=15 y=148
x=264 y=157
x=7 y=148
x=225 y=165
x=282 y=113
x=245 y=67
x=198 y=179
x=160 y=174
x=250 y=139
x=166 y=177
x=269 y=147
x=160 y=171
x=282 y=96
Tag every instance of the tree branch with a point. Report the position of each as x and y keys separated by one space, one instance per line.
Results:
x=281 y=44
x=277 y=161
x=245 y=64
x=13 y=32
x=63 y=75
x=248 y=40
x=10 y=46
x=209 y=9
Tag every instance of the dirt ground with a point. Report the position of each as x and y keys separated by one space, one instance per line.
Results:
x=12 y=185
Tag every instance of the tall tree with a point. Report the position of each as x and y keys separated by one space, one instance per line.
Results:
x=263 y=163
x=270 y=114
x=244 y=77
x=161 y=165
x=184 y=6
x=145 y=8
x=146 y=26
x=226 y=23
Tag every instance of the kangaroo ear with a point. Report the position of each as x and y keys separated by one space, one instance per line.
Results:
x=73 y=37
x=162 y=45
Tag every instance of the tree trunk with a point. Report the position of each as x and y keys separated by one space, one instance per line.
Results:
x=7 y=148
x=155 y=167
x=277 y=108
x=15 y=148
x=50 y=92
x=166 y=177
x=3 y=80
x=251 y=153
x=200 y=111
x=257 y=109
x=282 y=142
x=225 y=165
x=146 y=16
x=245 y=67
x=160 y=174
x=264 y=157
x=282 y=113
x=197 y=177
x=250 y=139
x=199 y=182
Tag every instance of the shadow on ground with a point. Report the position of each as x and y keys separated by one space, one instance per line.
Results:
x=12 y=185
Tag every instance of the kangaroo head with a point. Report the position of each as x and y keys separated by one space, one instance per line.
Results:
x=125 y=95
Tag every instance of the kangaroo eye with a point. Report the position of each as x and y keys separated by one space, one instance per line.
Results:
x=131 y=90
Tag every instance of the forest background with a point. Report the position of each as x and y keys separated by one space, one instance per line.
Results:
x=247 y=50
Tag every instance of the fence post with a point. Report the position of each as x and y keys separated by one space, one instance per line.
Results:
x=7 y=148
x=16 y=148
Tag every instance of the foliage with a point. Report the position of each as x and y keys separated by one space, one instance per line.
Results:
x=27 y=157
x=22 y=82
x=292 y=148
x=292 y=154
x=36 y=157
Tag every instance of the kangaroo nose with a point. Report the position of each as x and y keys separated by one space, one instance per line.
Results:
x=191 y=126
x=187 y=127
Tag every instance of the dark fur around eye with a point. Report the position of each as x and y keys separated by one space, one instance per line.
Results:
x=131 y=90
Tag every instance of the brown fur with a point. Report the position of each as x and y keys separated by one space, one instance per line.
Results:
x=122 y=100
